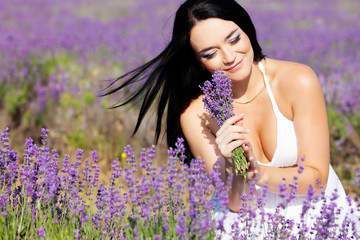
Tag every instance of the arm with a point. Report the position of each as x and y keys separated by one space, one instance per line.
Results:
x=196 y=126
x=199 y=129
x=311 y=127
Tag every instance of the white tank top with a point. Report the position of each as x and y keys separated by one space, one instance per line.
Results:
x=286 y=147
x=286 y=152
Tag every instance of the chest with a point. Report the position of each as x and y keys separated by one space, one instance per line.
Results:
x=261 y=120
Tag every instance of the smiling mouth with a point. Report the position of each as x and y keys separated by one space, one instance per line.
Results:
x=232 y=69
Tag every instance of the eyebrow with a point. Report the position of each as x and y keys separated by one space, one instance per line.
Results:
x=227 y=37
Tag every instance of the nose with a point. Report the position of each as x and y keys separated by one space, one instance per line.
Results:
x=228 y=56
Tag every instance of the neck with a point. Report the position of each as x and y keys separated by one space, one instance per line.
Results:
x=247 y=88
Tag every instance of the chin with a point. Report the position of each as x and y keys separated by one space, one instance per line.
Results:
x=242 y=73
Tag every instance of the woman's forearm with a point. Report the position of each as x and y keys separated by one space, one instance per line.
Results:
x=274 y=176
x=235 y=193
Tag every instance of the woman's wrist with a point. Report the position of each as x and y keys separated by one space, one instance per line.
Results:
x=261 y=176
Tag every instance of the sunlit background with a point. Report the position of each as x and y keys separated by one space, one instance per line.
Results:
x=56 y=57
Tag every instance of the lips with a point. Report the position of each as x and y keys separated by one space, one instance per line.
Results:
x=235 y=67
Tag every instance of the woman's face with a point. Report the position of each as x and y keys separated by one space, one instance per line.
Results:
x=221 y=45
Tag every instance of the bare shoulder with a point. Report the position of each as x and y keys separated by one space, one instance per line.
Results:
x=196 y=117
x=194 y=113
x=293 y=79
x=196 y=107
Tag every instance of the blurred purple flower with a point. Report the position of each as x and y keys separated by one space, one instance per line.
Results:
x=77 y=233
x=41 y=232
x=94 y=156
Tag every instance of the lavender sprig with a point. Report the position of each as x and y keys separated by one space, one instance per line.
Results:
x=218 y=102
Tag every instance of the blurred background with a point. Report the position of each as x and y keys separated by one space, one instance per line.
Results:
x=57 y=57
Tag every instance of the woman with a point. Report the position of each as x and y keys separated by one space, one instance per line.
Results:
x=280 y=111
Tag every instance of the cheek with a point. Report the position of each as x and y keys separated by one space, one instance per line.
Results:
x=249 y=47
x=212 y=65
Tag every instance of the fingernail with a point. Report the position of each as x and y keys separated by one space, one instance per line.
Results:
x=241 y=115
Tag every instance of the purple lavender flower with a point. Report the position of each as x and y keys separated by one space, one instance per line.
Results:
x=44 y=135
x=357 y=174
x=116 y=171
x=156 y=196
x=87 y=172
x=282 y=189
x=79 y=153
x=180 y=148
x=181 y=227
x=12 y=156
x=4 y=138
x=95 y=179
x=218 y=97
x=300 y=167
x=130 y=156
x=218 y=102
x=77 y=233
x=151 y=153
x=41 y=232
x=94 y=156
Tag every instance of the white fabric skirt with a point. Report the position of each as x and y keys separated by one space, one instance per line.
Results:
x=330 y=214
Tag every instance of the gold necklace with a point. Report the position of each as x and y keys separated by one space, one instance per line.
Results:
x=252 y=99
x=248 y=101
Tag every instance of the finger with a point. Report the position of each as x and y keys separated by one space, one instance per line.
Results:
x=247 y=149
x=240 y=129
x=250 y=175
x=236 y=144
x=221 y=134
x=233 y=137
x=252 y=162
x=226 y=150
x=240 y=122
x=229 y=122
x=231 y=131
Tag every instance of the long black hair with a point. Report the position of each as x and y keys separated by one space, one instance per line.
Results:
x=173 y=77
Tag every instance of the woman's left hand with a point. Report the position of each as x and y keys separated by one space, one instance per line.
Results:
x=252 y=161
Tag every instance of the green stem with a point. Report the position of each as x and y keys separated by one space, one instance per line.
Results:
x=22 y=215
x=240 y=162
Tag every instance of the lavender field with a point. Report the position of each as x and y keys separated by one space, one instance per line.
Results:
x=56 y=58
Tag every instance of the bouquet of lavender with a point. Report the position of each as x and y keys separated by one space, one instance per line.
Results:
x=218 y=102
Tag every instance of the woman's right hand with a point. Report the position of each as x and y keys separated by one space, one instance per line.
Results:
x=231 y=135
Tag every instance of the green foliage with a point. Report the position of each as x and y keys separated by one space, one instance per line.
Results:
x=51 y=63
x=15 y=97
x=39 y=120
x=22 y=224
x=337 y=125
x=88 y=97
x=156 y=224
x=345 y=172
x=76 y=138
x=68 y=101
x=2 y=93
x=355 y=121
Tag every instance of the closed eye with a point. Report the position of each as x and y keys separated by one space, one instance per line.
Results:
x=235 y=39
x=208 y=55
